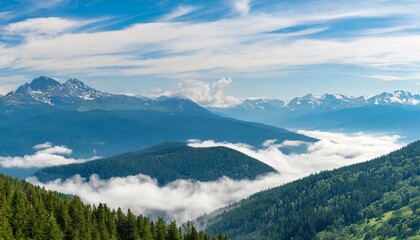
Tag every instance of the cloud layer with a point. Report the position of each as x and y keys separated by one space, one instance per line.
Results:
x=46 y=155
x=332 y=151
x=184 y=200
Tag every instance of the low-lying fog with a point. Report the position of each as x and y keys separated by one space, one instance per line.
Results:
x=185 y=200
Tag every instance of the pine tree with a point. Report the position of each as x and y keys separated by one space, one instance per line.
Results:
x=20 y=217
x=160 y=229
x=101 y=220
x=144 y=228
x=131 y=226
x=121 y=222
x=6 y=231
x=64 y=220
x=54 y=232
x=110 y=223
x=173 y=232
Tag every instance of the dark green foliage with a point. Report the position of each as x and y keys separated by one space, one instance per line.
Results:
x=335 y=204
x=173 y=232
x=166 y=163
x=30 y=212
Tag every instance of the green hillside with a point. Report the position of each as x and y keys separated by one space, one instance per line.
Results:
x=166 y=163
x=379 y=199
x=30 y=212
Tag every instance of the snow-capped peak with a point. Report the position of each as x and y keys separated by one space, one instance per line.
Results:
x=50 y=91
x=398 y=97
x=328 y=102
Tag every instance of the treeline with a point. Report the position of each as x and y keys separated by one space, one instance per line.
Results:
x=31 y=212
x=380 y=197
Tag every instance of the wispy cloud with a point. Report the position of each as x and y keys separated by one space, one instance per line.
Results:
x=4 y=14
x=42 y=4
x=177 y=12
x=22 y=8
x=43 y=27
x=403 y=77
x=387 y=77
x=185 y=200
x=250 y=43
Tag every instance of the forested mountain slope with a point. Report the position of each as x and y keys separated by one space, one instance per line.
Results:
x=167 y=162
x=380 y=197
x=107 y=133
x=30 y=212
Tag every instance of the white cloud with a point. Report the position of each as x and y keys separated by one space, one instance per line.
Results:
x=46 y=27
x=205 y=94
x=242 y=7
x=46 y=155
x=185 y=200
x=43 y=146
x=332 y=151
x=178 y=12
x=181 y=200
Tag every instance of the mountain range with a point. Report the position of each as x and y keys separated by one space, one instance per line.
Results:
x=333 y=112
x=47 y=94
x=325 y=102
x=91 y=122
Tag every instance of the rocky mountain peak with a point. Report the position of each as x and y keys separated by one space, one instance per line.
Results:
x=43 y=83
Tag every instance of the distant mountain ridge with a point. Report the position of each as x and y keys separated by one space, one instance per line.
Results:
x=325 y=102
x=395 y=112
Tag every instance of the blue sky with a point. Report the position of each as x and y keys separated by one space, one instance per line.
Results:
x=230 y=48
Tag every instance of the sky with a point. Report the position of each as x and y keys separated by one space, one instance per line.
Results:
x=247 y=48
